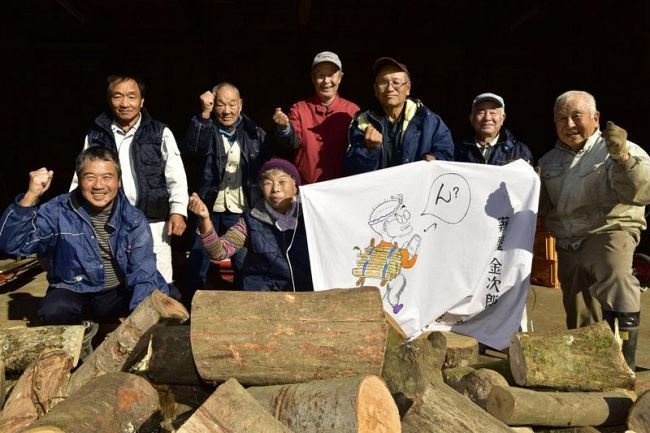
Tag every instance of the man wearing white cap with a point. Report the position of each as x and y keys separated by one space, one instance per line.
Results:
x=398 y=129
x=316 y=129
x=492 y=143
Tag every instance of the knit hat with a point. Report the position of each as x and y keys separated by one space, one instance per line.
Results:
x=280 y=164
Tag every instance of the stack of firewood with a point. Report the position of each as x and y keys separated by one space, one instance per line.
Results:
x=313 y=362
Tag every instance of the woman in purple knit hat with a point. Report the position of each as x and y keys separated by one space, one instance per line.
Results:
x=273 y=231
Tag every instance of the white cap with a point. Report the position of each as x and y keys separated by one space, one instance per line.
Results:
x=488 y=97
x=327 y=56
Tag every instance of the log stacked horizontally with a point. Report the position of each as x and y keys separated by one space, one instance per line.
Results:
x=266 y=338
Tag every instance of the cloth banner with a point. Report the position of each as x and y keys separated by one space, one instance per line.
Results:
x=449 y=244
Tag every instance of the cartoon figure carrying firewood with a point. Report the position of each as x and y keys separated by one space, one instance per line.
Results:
x=384 y=261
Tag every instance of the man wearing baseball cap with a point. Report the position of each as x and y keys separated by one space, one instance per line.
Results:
x=492 y=143
x=397 y=129
x=315 y=131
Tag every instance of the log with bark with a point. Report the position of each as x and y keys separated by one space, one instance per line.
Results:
x=41 y=387
x=461 y=350
x=20 y=346
x=178 y=403
x=359 y=404
x=476 y=385
x=518 y=406
x=263 y=338
x=409 y=366
x=3 y=385
x=584 y=359
x=440 y=409
x=171 y=360
x=638 y=419
x=129 y=342
x=641 y=381
x=113 y=403
x=230 y=409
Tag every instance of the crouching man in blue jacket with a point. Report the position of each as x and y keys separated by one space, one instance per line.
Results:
x=98 y=247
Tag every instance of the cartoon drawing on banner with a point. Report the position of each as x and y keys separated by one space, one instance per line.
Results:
x=448 y=201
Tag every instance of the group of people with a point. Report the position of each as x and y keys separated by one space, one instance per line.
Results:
x=106 y=243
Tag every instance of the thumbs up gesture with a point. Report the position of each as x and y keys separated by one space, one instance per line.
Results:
x=280 y=119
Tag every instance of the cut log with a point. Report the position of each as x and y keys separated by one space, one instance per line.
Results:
x=461 y=350
x=344 y=405
x=522 y=430
x=113 y=403
x=3 y=385
x=20 y=346
x=40 y=388
x=178 y=402
x=639 y=416
x=263 y=338
x=129 y=342
x=171 y=359
x=518 y=406
x=440 y=409
x=584 y=359
x=477 y=385
x=409 y=366
x=501 y=366
x=453 y=376
x=641 y=381
x=230 y=409
x=618 y=429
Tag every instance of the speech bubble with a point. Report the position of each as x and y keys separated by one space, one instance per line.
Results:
x=449 y=198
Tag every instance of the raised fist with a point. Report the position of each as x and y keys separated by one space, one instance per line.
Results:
x=280 y=119
x=39 y=182
x=616 y=139
x=207 y=104
x=372 y=137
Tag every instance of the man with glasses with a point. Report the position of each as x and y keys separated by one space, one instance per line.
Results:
x=232 y=149
x=492 y=143
x=398 y=129
x=316 y=129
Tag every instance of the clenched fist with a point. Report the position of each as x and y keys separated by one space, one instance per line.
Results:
x=280 y=119
x=207 y=104
x=372 y=137
x=616 y=139
x=39 y=182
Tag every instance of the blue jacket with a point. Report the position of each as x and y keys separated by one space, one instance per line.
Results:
x=146 y=156
x=424 y=133
x=506 y=149
x=204 y=140
x=270 y=263
x=61 y=231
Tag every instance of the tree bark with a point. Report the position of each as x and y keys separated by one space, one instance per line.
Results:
x=410 y=366
x=263 y=338
x=461 y=350
x=584 y=359
x=359 y=404
x=20 y=346
x=518 y=406
x=40 y=388
x=638 y=419
x=440 y=409
x=113 y=403
x=477 y=385
x=230 y=409
x=129 y=342
x=171 y=359
x=3 y=385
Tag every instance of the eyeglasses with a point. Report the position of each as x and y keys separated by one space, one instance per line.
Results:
x=397 y=85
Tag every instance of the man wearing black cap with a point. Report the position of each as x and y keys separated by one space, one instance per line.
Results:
x=492 y=143
x=316 y=129
x=399 y=129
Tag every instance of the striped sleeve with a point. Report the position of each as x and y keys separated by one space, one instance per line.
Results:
x=219 y=248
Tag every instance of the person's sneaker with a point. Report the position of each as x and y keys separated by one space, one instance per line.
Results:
x=90 y=330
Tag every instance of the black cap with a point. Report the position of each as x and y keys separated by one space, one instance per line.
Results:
x=381 y=62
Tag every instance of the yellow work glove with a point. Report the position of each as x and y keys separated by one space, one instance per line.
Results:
x=616 y=139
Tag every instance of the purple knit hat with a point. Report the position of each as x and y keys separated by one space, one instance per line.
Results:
x=280 y=164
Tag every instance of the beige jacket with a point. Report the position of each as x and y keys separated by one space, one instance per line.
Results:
x=587 y=192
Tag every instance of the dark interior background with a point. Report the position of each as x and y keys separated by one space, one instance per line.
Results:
x=57 y=54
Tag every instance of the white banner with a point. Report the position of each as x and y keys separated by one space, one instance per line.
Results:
x=449 y=244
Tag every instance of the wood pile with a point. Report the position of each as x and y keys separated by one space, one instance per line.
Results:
x=316 y=362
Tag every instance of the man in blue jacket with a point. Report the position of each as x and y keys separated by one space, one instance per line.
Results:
x=98 y=247
x=398 y=129
x=231 y=148
x=492 y=143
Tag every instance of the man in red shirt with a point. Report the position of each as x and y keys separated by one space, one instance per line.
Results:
x=316 y=129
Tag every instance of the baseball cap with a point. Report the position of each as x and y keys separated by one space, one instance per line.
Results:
x=327 y=56
x=488 y=97
x=381 y=62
